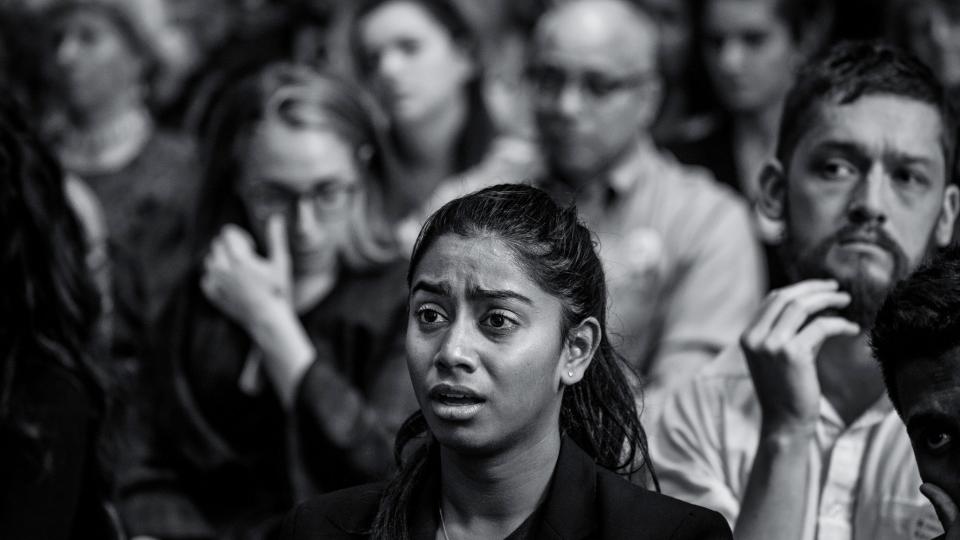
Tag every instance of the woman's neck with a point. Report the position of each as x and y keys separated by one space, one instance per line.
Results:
x=102 y=116
x=427 y=145
x=490 y=497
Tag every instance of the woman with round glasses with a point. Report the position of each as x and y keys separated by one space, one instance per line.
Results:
x=281 y=368
x=525 y=416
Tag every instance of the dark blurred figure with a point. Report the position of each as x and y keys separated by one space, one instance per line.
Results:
x=686 y=88
x=751 y=50
x=280 y=371
x=52 y=396
x=103 y=54
x=916 y=339
x=930 y=29
x=683 y=266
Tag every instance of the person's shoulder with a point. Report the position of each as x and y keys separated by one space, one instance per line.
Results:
x=347 y=513
x=697 y=187
x=631 y=511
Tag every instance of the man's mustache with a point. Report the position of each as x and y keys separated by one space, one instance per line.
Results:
x=870 y=234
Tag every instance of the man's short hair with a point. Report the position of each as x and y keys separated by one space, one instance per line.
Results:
x=855 y=69
x=919 y=319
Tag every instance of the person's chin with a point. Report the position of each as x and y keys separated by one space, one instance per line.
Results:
x=870 y=263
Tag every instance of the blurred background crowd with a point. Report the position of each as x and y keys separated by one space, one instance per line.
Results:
x=250 y=361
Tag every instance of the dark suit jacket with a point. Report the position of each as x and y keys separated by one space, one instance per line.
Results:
x=584 y=501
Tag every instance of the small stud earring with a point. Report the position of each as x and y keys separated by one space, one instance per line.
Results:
x=570 y=373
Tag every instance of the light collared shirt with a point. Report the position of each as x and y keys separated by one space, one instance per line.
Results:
x=683 y=266
x=864 y=477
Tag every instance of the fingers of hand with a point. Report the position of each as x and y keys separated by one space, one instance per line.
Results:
x=277 y=244
x=811 y=338
x=237 y=243
x=779 y=328
x=945 y=507
x=775 y=302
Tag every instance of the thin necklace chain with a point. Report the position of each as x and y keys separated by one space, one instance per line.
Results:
x=443 y=526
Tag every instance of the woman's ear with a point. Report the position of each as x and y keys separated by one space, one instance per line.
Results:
x=944 y=231
x=772 y=198
x=580 y=346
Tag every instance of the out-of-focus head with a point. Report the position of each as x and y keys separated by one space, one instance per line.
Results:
x=674 y=19
x=305 y=145
x=752 y=48
x=506 y=336
x=419 y=56
x=595 y=84
x=865 y=171
x=916 y=339
x=102 y=50
x=929 y=29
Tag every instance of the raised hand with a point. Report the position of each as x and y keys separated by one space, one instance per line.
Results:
x=781 y=347
x=243 y=284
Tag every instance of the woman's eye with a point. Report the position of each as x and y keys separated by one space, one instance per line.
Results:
x=499 y=321
x=937 y=441
x=429 y=315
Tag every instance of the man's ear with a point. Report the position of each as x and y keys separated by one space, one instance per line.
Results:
x=579 y=348
x=943 y=232
x=772 y=198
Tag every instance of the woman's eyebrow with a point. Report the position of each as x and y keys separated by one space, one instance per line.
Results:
x=479 y=293
x=440 y=289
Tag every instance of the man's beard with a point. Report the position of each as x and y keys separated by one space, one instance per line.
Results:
x=866 y=292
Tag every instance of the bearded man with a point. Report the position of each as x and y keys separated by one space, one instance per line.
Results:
x=791 y=435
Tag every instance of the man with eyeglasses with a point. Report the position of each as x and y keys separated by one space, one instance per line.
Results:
x=682 y=264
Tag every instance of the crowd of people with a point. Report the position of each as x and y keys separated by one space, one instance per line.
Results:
x=445 y=269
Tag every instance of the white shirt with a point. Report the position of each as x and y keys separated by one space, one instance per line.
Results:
x=868 y=481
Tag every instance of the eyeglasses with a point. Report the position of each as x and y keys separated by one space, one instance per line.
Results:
x=268 y=198
x=550 y=81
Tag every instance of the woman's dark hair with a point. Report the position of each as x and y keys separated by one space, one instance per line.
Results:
x=300 y=97
x=473 y=142
x=49 y=305
x=556 y=251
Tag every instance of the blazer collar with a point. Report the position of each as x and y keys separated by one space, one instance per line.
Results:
x=570 y=510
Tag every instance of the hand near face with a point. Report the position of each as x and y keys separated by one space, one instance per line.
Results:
x=781 y=347
x=243 y=284
x=946 y=509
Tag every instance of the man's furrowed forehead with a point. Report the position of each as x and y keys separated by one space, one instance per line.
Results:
x=877 y=123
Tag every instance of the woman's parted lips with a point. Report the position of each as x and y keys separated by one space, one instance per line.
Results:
x=453 y=393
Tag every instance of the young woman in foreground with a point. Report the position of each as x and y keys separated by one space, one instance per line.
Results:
x=526 y=418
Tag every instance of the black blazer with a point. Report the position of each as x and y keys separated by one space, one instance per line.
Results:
x=584 y=501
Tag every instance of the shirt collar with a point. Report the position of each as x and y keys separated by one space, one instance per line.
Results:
x=640 y=159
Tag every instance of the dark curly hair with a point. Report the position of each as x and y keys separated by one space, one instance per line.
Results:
x=919 y=319
x=557 y=251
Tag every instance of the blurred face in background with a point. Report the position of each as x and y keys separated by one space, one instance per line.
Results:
x=310 y=176
x=595 y=85
x=673 y=18
x=415 y=66
x=933 y=34
x=750 y=53
x=94 y=62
